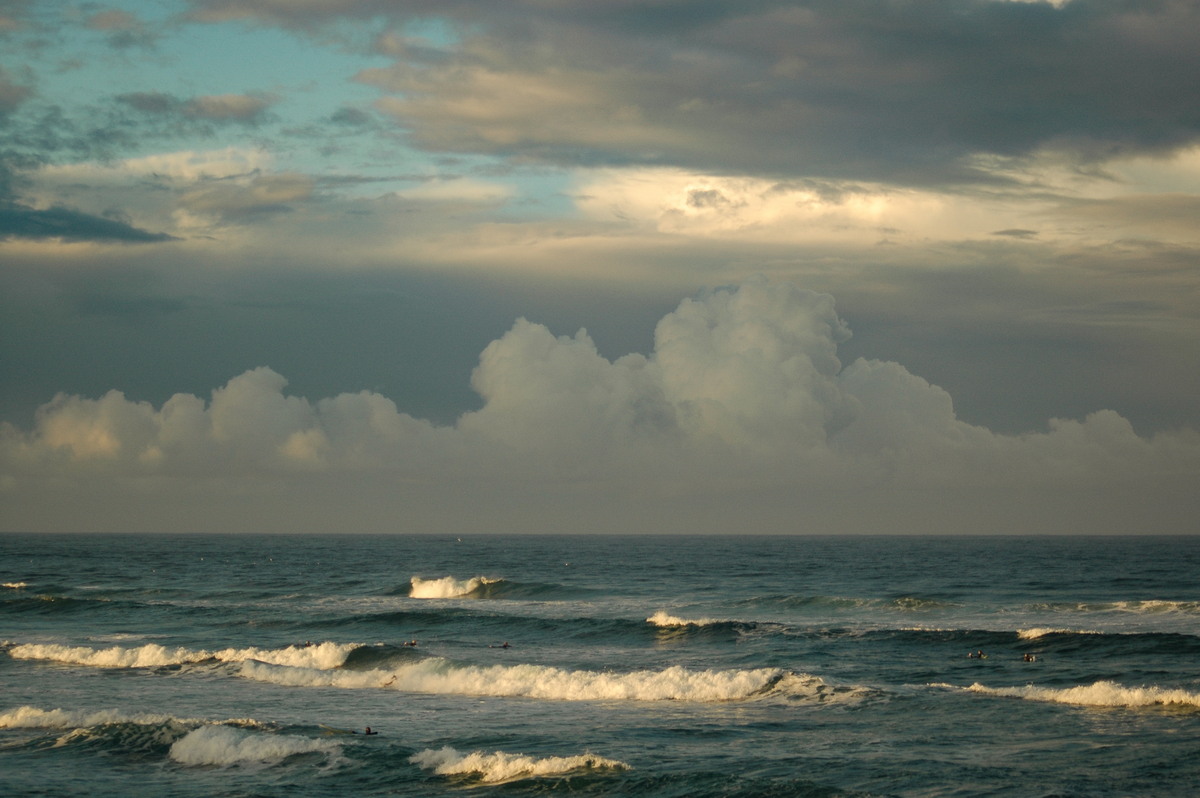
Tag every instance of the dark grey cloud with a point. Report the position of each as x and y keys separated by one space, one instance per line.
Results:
x=19 y=221
x=902 y=91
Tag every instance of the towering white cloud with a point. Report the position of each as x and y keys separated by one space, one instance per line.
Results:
x=743 y=398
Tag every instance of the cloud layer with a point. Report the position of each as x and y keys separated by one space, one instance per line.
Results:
x=743 y=401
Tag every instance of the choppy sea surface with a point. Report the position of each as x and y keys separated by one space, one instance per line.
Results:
x=659 y=666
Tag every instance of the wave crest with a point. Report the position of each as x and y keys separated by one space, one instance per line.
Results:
x=447 y=587
x=500 y=766
x=1097 y=694
x=661 y=618
x=223 y=746
x=437 y=675
x=322 y=656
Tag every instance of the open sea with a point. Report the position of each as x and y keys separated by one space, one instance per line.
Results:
x=227 y=665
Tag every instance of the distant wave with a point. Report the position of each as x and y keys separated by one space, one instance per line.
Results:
x=1147 y=606
x=448 y=587
x=223 y=746
x=1097 y=694
x=1038 y=631
x=14 y=585
x=34 y=718
x=661 y=618
x=440 y=676
x=321 y=656
x=501 y=766
x=898 y=604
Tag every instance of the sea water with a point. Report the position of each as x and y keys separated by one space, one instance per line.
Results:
x=231 y=665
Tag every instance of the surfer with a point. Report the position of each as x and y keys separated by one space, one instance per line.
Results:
x=368 y=731
x=977 y=655
x=411 y=644
x=502 y=645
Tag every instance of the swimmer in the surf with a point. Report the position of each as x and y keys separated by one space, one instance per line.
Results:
x=368 y=731
x=1030 y=658
x=502 y=645
x=977 y=655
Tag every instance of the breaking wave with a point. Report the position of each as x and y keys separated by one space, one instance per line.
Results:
x=661 y=618
x=500 y=766
x=14 y=585
x=449 y=587
x=1097 y=694
x=223 y=746
x=1039 y=631
x=437 y=675
x=319 y=656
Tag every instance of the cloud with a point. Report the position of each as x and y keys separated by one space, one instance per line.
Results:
x=910 y=93
x=11 y=94
x=742 y=400
x=67 y=224
x=239 y=108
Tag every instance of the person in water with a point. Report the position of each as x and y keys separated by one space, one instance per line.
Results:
x=368 y=731
x=977 y=655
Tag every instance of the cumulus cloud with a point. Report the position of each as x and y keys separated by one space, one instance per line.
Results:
x=743 y=400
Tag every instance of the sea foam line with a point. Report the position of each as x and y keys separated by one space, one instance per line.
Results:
x=1039 y=631
x=500 y=766
x=437 y=675
x=447 y=587
x=28 y=717
x=321 y=656
x=1097 y=694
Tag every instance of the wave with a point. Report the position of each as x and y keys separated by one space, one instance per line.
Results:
x=1146 y=606
x=224 y=746
x=14 y=585
x=34 y=718
x=321 y=656
x=1097 y=694
x=898 y=604
x=500 y=766
x=447 y=587
x=482 y=587
x=661 y=618
x=1038 y=631
x=437 y=675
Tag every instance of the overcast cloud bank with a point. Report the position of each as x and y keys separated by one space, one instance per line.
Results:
x=743 y=400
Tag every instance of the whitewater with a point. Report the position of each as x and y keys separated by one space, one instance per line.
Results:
x=233 y=665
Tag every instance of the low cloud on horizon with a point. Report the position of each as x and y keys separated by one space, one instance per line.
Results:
x=741 y=420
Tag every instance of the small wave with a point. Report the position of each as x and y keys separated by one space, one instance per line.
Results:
x=14 y=585
x=500 y=766
x=320 y=656
x=1147 y=606
x=1098 y=694
x=661 y=618
x=223 y=746
x=34 y=718
x=448 y=587
x=1039 y=631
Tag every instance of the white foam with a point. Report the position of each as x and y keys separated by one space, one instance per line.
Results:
x=1041 y=631
x=446 y=587
x=1097 y=694
x=34 y=718
x=322 y=656
x=224 y=746
x=500 y=766
x=14 y=585
x=661 y=618
x=439 y=676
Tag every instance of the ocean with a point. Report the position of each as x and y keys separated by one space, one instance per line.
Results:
x=251 y=665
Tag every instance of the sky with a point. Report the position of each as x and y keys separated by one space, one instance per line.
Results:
x=562 y=266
